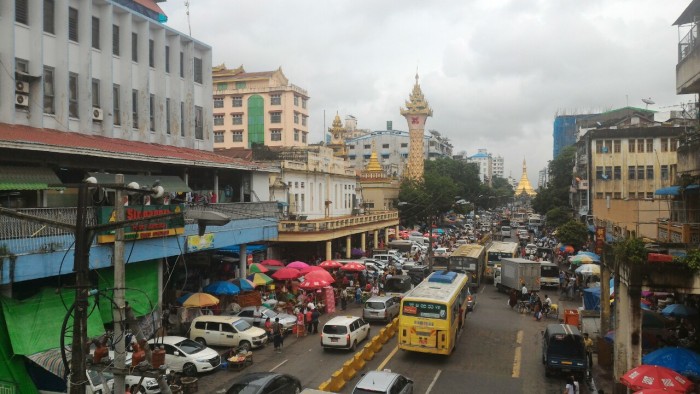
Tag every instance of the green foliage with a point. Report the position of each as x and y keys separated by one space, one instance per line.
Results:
x=691 y=259
x=573 y=233
x=631 y=250
x=557 y=216
x=556 y=193
x=464 y=176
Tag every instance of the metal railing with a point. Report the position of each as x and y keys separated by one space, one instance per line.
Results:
x=302 y=224
x=687 y=43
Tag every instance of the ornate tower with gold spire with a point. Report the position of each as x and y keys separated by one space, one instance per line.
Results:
x=337 y=132
x=524 y=187
x=416 y=112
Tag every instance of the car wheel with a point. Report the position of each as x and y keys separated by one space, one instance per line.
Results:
x=189 y=370
x=297 y=390
x=245 y=345
x=354 y=346
x=201 y=341
x=139 y=390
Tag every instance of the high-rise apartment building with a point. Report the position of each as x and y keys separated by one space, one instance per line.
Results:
x=485 y=162
x=497 y=166
x=258 y=108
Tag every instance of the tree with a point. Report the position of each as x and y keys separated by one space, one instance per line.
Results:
x=573 y=233
x=426 y=201
x=557 y=217
x=556 y=193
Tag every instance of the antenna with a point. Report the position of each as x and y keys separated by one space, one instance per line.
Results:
x=187 y=11
x=648 y=101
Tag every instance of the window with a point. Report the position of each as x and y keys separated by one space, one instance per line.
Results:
x=404 y=145
x=650 y=144
x=218 y=102
x=276 y=135
x=73 y=95
x=617 y=172
x=167 y=115
x=21 y=11
x=49 y=106
x=237 y=101
x=304 y=136
x=276 y=117
x=218 y=120
x=640 y=172
x=221 y=86
x=650 y=172
x=599 y=195
x=617 y=146
x=237 y=118
x=368 y=146
x=608 y=146
x=237 y=136
x=617 y=195
x=303 y=120
x=650 y=195
x=198 y=122
x=182 y=65
x=608 y=173
x=134 y=47
x=96 y=32
x=73 y=24
x=152 y=112
x=134 y=108
x=182 y=119
x=296 y=100
x=632 y=173
x=22 y=65
x=664 y=172
x=599 y=172
x=115 y=40
x=151 y=54
x=240 y=85
x=674 y=144
x=218 y=136
x=198 y=70
x=116 y=105
x=385 y=146
x=599 y=146
x=632 y=195
x=95 y=93
x=631 y=145
x=167 y=59
x=296 y=118
x=275 y=99
x=640 y=146
x=296 y=135
x=303 y=103
x=49 y=17
x=664 y=145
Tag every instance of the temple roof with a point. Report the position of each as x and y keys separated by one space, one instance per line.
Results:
x=524 y=186
x=417 y=104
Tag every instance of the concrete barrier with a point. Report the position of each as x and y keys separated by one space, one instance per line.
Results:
x=349 y=371
x=358 y=361
x=376 y=344
x=335 y=383
x=368 y=352
x=383 y=336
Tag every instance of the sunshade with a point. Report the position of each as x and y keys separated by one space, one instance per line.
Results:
x=243 y=284
x=583 y=259
x=260 y=279
x=271 y=262
x=587 y=253
x=222 y=287
x=646 y=377
x=588 y=269
x=679 y=310
x=257 y=268
x=330 y=264
x=353 y=267
x=684 y=361
x=314 y=284
x=311 y=268
x=299 y=265
x=286 y=274
x=198 y=300
x=319 y=275
x=567 y=248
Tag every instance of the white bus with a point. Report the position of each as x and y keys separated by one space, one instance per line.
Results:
x=495 y=252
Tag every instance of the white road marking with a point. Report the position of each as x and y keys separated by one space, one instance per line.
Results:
x=278 y=365
x=437 y=375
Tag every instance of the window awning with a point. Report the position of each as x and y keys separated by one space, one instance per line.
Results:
x=692 y=188
x=668 y=191
x=28 y=178
x=170 y=183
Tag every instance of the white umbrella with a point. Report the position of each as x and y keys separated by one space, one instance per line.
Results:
x=588 y=269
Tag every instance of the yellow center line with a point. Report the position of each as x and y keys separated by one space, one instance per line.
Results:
x=518 y=354
x=519 y=337
x=386 y=360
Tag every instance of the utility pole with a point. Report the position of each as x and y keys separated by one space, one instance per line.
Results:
x=119 y=284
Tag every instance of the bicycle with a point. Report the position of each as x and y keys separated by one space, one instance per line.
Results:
x=524 y=306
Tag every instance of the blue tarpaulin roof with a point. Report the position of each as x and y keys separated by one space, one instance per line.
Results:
x=591 y=299
x=668 y=191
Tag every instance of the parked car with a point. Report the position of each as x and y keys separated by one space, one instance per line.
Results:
x=265 y=383
x=531 y=249
x=288 y=321
x=381 y=308
x=383 y=382
x=229 y=331
x=440 y=252
x=186 y=356
x=344 y=332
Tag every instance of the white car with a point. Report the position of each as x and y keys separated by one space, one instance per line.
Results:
x=440 y=252
x=186 y=356
x=344 y=332
x=229 y=331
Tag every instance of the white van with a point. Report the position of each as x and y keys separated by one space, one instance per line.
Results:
x=505 y=232
x=419 y=239
x=227 y=331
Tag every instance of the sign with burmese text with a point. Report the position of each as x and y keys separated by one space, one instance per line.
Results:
x=154 y=229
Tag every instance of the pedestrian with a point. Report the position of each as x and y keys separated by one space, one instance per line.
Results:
x=576 y=386
x=344 y=299
x=307 y=319
x=525 y=296
x=589 y=348
x=301 y=327
x=358 y=295
x=314 y=320
x=268 y=329
x=277 y=335
x=570 y=388
x=513 y=298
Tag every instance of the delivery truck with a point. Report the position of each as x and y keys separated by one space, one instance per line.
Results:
x=513 y=272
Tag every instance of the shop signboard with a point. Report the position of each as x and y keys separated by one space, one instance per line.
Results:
x=154 y=229
x=599 y=240
x=196 y=243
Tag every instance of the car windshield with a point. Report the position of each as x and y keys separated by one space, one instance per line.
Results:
x=365 y=391
x=270 y=313
x=189 y=346
x=397 y=285
x=241 y=325
x=244 y=388
x=566 y=346
x=334 y=329
x=374 y=305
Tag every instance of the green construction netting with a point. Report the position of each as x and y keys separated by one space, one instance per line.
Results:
x=34 y=324
x=12 y=372
x=141 y=288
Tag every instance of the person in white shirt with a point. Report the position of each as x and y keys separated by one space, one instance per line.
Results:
x=524 y=294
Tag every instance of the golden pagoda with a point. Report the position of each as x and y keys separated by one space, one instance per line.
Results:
x=416 y=112
x=378 y=191
x=373 y=170
x=337 y=142
x=524 y=187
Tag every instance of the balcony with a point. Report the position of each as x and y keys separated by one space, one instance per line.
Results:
x=688 y=67
x=677 y=232
x=298 y=228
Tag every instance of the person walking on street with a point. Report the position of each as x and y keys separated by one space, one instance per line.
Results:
x=570 y=388
x=277 y=335
x=344 y=299
x=589 y=348
x=524 y=294
x=314 y=320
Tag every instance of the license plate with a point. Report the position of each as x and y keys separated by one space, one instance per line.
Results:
x=334 y=339
x=566 y=362
x=374 y=313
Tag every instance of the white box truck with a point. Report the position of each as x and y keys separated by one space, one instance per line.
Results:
x=516 y=271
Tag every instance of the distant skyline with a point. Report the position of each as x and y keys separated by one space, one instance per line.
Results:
x=495 y=72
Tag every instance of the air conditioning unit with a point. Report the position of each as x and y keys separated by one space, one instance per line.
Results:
x=97 y=114
x=22 y=100
x=22 y=87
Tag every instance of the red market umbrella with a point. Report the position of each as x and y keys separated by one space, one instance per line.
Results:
x=314 y=284
x=257 y=268
x=299 y=265
x=653 y=391
x=646 y=377
x=311 y=268
x=353 y=267
x=330 y=264
x=286 y=274
x=319 y=275
x=274 y=263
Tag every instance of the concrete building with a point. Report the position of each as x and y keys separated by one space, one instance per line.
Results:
x=378 y=191
x=497 y=164
x=485 y=162
x=258 y=108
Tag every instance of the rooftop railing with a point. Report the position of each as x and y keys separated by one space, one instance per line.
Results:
x=687 y=43
x=300 y=223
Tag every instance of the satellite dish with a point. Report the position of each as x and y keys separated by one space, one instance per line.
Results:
x=648 y=101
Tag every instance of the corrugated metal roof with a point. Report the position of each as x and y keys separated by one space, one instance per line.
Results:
x=28 y=178
x=170 y=183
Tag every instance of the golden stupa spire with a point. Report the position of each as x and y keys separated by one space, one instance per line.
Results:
x=524 y=186
x=373 y=165
x=416 y=103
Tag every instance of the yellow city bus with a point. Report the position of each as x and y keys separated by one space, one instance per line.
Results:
x=432 y=314
x=496 y=251
x=471 y=259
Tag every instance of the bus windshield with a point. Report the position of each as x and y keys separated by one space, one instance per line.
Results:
x=463 y=263
x=549 y=271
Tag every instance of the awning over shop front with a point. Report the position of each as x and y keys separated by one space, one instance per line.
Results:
x=668 y=191
x=28 y=178
x=170 y=183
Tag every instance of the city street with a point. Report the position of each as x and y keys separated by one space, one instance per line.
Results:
x=499 y=351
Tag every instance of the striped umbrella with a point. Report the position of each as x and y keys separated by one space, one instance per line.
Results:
x=257 y=268
x=260 y=279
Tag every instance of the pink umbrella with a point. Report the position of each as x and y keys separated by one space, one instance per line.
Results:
x=330 y=264
x=314 y=284
x=286 y=274
x=274 y=263
x=319 y=275
x=356 y=267
x=297 y=265
x=311 y=268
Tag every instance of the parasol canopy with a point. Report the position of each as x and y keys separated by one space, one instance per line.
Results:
x=257 y=268
x=260 y=279
x=588 y=269
x=314 y=284
x=353 y=267
x=299 y=265
x=270 y=262
x=587 y=253
x=583 y=259
x=646 y=377
x=243 y=284
x=319 y=275
x=222 y=287
x=567 y=248
x=330 y=264
x=199 y=300
x=679 y=310
x=684 y=361
x=311 y=268
x=286 y=274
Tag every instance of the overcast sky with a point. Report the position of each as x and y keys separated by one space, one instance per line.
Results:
x=495 y=72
